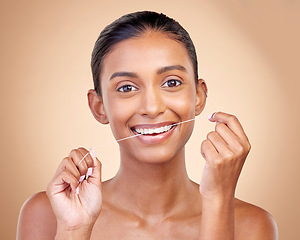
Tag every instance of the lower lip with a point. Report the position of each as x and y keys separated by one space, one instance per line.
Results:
x=155 y=139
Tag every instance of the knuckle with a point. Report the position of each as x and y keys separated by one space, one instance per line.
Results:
x=82 y=149
x=219 y=126
x=233 y=118
x=218 y=162
x=205 y=143
x=65 y=160
x=240 y=149
x=68 y=162
x=211 y=134
x=248 y=146
x=64 y=163
x=228 y=156
x=73 y=152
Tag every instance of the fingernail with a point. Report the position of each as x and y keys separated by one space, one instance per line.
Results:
x=211 y=116
x=89 y=172
x=77 y=190
x=81 y=178
x=92 y=152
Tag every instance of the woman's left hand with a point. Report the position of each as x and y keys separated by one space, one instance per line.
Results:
x=225 y=151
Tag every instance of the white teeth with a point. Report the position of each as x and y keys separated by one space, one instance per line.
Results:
x=150 y=131
x=153 y=130
x=146 y=131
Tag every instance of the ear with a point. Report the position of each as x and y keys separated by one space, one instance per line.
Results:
x=201 y=95
x=97 y=107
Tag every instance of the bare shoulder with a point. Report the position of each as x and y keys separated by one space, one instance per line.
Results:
x=36 y=219
x=254 y=223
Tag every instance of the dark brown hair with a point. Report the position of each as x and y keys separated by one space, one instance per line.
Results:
x=134 y=25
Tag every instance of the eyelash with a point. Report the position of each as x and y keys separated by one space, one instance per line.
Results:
x=165 y=85
x=121 y=89
x=177 y=83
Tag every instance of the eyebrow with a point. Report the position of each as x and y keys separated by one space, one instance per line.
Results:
x=159 y=71
x=169 y=68
x=123 y=74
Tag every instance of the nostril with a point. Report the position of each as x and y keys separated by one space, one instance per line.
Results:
x=152 y=106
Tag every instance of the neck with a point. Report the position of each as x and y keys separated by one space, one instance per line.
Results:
x=153 y=191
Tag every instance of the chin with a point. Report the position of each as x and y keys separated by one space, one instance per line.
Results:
x=157 y=155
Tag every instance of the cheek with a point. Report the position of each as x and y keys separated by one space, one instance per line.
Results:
x=183 y=104
x=119 y=111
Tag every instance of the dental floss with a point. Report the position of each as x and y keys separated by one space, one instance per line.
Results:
x=82 y=159
x=119 y=140
x=122 y=139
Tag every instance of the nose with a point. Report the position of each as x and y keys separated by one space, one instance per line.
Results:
x=152 y=103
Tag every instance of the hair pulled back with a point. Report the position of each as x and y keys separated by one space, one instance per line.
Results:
x=134 y=25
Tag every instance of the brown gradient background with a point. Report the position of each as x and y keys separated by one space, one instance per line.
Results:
x=248 y=53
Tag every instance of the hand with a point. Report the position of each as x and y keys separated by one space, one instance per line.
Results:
x=76 y=209
x=225 y=151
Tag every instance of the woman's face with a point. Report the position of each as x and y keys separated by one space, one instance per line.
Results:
x=147 y=85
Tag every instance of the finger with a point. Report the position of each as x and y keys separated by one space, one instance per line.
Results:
x=67 y=163
x=62 y=182
x=218 y=142
x=233 y=142
x=95 y=176
x=89 y=161
x=88 y=158
x=208 y=150
x=79 y=159
x=231 y=121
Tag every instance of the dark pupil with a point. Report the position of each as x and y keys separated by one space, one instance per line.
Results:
x=127 y=88
x=171 y=83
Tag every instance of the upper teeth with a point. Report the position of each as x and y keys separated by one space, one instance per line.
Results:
x=153 y=130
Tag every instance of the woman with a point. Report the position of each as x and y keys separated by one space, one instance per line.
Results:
x=147 y=88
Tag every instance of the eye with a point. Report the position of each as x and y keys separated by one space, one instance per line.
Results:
x=172 y=83
x=126 y=88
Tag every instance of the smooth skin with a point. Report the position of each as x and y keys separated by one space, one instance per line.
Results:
x=149 y=80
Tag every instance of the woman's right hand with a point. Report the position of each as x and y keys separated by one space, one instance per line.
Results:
x=76 y=209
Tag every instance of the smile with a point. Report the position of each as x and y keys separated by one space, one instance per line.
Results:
x=149 y=131
x=154 y=133
x=153 y=129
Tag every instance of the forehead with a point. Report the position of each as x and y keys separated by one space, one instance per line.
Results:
x=146 y=53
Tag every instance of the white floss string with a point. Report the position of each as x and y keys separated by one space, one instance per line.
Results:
x=83 y=158
x=119 y=140
x=122 y=139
